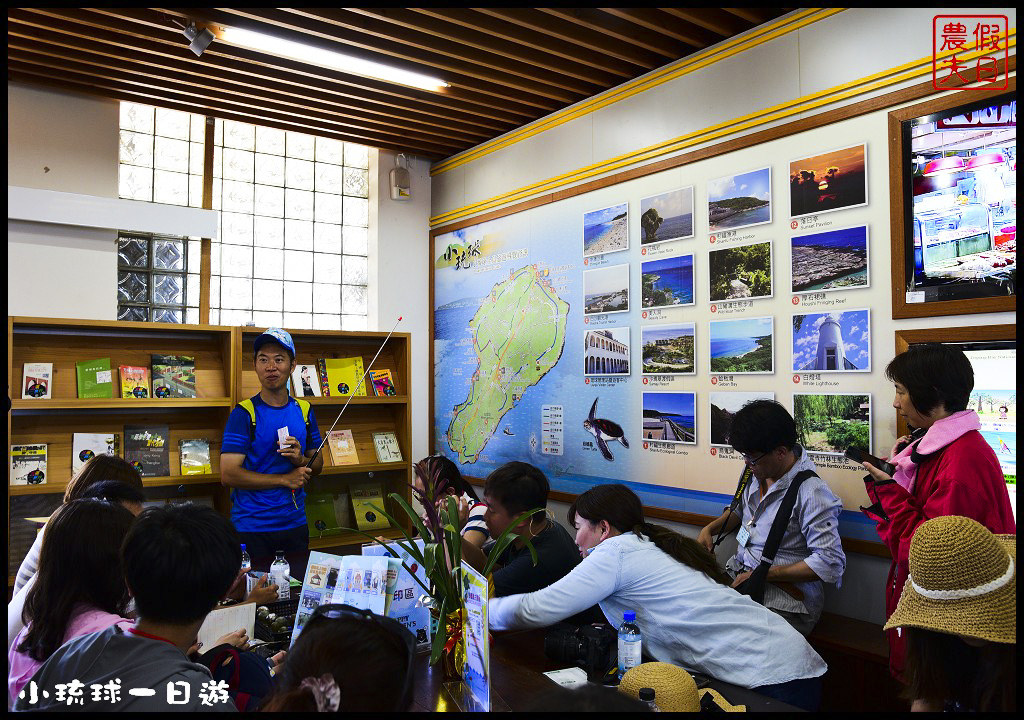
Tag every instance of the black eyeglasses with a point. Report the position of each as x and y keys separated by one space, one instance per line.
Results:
x=754 y=462
x=395 y=628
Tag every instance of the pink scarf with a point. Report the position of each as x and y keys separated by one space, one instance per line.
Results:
x=938 y=436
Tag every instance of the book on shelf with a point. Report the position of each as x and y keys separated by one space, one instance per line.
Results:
x=147 y=447
x=195 y=457
x=320 y=514
x=386 y=445
x=28 y=464
x=343 y=376
x=94 y=378
x=343 y=447
x=134 y=381
x=306 y=381
x=86 y=446
x=367 y=501
x=174 y=376
x=36 y=381
x=383 y=383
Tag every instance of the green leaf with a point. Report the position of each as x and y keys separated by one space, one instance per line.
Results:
x=437 y=645
x=506 y=538
x=413 y=516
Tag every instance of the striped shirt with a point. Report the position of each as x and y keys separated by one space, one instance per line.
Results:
x=812 y=536
x=476 y=518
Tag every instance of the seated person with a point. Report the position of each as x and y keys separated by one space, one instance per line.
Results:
x=178 y=561
x=958 y=615
x=346 y=660
x=78 y=589
x=687 y=613
x=810 y=553
x=510 y=491
x=439 y=471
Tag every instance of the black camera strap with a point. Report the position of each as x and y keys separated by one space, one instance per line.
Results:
x=741 y=488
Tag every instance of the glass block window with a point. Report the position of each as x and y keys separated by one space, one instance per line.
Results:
x=153 y=282
x=161 y=155
x=294 y=214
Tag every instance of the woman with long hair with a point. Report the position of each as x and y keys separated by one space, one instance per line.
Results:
x=439 y=477
x=78 y=589
x=687 y=613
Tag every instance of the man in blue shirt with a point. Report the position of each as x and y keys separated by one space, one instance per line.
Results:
x=267 y=477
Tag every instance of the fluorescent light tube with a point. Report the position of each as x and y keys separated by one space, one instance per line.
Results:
x=329 y=59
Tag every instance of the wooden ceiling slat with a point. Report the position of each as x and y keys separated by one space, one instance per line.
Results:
x=655 y=20
x=614 y=30
x=197 y=103
x=219 y=93
x=467 y=42
x=755 y=16
x=250 y=64
x=541 y=21
x=500 y=28
x=713 y=19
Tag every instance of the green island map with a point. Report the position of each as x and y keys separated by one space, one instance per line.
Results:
x=518 y=336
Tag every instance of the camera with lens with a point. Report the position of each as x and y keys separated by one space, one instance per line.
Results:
x=594 y=647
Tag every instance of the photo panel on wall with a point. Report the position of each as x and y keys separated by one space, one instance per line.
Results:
x=830 y=260
x=670 y=417
x=667 y=217
x=832 y=342
x=828 y=181
x=668 y=349
x=739 y=201
x=606 y=290
x=829 y=423
x=740 y=273
x=606 y=230
x=724 y=405
x=667 y=282
x=606 y=351
x=742 y=346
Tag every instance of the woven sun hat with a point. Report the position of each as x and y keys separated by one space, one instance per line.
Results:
x=963 y=581
x=674 y=688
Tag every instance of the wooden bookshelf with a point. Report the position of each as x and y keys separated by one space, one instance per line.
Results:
x=224 y=376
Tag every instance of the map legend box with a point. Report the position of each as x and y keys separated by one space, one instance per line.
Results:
x=552 y=429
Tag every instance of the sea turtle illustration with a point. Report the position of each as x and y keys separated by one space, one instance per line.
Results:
x=605 y=431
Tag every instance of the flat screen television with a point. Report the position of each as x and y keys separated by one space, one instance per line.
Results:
x=960 y=201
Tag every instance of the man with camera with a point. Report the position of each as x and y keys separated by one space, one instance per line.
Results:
x=810 y=552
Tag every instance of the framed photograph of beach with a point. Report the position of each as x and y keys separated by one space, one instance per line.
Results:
x=743 y=272
x=832 y=342
x=667 y=217
x=667 y=282
x=606 y=230
x=668 y=349
x=606 y=351
x=827 y=424
x=606 y=290
x=724 y=405
x=740 y=201
x=830 y=260
x=670 y=417
x=742 y=347
x=828 y=181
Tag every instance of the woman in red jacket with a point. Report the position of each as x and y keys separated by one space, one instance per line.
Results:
x=944 y=468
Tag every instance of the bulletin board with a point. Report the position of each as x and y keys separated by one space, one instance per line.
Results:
x=602 y=342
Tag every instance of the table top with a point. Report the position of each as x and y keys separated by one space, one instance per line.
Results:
x=517 y=664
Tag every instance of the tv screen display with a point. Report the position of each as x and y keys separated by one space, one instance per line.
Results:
x=961 y=228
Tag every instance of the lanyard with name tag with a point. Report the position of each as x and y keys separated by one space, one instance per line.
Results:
x=742 y=536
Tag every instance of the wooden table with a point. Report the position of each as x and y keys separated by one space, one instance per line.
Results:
x=517 y=664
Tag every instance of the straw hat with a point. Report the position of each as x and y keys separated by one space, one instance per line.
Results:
x=963 y=581
x=674 y=689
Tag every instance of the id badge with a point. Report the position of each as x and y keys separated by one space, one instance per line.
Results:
x=742 y=536
x=282 y=435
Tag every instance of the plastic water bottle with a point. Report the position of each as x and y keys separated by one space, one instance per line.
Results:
x=629 y=643
x=246 y=560
x=646 y=696
x=279 y=572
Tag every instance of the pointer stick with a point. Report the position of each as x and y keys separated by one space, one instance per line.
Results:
x=368 y=368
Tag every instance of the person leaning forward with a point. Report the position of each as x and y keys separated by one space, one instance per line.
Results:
x=268 y=499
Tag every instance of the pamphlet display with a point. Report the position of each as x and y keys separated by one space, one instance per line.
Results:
x=367 y=501
x=405 y=606
x=386 y=444
x=134 y=381
x=383 y=383
x=94 y=378
x=356 y=580
x=36 y=379
x=476 y=672
x=342 y=376
x=28 y=464
x=343 y=447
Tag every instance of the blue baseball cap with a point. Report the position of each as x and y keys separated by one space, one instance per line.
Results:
x=275 y=335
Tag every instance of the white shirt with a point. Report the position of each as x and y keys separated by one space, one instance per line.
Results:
x=685 y=617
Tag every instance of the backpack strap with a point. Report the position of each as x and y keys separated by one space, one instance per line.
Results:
x=783 y=516
x=304 y=406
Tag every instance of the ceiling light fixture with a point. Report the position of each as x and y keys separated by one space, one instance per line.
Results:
x=328 y=59
x=198 y=39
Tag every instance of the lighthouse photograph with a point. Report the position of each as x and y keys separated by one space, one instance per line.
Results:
x=832 y=342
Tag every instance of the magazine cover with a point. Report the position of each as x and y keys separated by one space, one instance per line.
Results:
x=86 y=446
x=386 y=445
x=306 y=381
x=134 y=381
x=195 y=457
x=36 y=381
x=95 y=379
x=343 y=447
x=343 y=376
x=147 y=448
x=28 y=464
x=383 y=383
x=174 y=376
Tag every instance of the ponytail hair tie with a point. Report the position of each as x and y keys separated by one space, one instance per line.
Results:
x=325 y=692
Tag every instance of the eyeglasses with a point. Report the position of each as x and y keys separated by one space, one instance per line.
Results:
x=754 y=462
x=395 y=628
